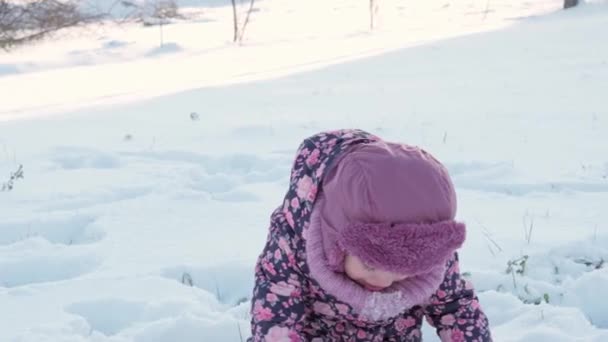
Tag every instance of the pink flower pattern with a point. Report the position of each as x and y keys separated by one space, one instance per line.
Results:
x=278 y=334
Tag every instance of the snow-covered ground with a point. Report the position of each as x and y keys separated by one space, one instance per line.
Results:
x=140 y=216
x=108 y=64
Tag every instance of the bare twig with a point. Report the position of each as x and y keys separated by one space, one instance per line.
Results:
x=217 y=291
x=235 y=21
x=371 y=14
x=240 y=333
x=8 y=186
x=249 y=11
x=485 y=13
x=488 y=236
x=528 y=227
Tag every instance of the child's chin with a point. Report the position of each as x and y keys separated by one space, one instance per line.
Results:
x=374 y=288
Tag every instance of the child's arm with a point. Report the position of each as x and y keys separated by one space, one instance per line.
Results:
x=454 y=310
x=278 y=305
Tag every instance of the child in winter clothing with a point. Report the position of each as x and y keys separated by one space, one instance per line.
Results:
x=363 y=247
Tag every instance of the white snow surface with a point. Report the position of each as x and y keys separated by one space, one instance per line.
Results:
x=150 y=173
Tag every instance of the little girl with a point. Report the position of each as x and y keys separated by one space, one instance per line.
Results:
x=363 y=246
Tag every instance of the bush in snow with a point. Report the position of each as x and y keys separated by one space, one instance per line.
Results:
x=159 y=12
x=8 y=186
x=25 y=22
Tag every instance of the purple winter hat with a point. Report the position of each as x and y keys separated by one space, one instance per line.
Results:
x=392 y=206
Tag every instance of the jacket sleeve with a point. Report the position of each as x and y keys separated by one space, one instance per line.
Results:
x=279 y=296
x=455 y=311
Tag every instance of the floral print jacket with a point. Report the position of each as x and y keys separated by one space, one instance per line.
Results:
x=289 y=306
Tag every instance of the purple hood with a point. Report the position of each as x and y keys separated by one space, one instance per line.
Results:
x=390 y=205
